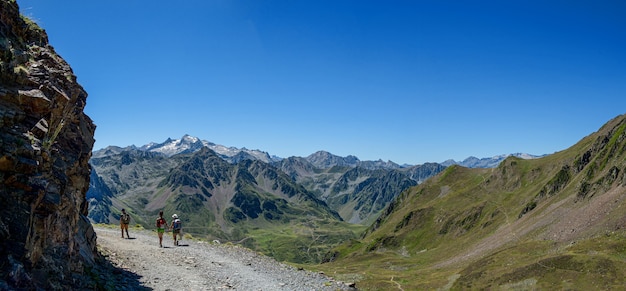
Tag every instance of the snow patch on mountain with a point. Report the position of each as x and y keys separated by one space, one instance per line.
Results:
x=189 y=144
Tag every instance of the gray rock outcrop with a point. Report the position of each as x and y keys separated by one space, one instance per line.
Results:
x=46 y=240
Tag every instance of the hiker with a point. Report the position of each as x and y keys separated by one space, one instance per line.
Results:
x=124 y=221
x=161 y=224
x=176 y=227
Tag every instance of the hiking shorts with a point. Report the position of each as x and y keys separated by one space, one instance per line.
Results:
x=124 y=226
x=176 y=231
x=160 y=230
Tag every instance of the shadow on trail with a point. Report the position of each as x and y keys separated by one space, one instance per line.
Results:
x=108 y=276
x=175 y=246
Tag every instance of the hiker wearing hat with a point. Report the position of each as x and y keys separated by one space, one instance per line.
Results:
x=124 y=221
x=176 y=227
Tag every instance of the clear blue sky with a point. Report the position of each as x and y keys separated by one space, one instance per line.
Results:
x=406 y=81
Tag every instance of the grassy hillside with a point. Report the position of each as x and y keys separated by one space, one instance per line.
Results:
x=550 y=223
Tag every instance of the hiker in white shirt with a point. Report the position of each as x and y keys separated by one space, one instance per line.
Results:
x=176 y=228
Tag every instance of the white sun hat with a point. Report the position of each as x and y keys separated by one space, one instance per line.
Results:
x=174 y=216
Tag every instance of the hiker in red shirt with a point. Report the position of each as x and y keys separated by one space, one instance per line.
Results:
x=161 y=224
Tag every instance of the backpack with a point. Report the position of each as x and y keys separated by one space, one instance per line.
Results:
x=125 y=218
x=177 y=224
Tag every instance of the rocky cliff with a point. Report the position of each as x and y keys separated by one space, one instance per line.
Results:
x=46 y=241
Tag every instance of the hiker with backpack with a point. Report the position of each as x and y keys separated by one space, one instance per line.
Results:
x=176 y=228
x=124 y=222
x=161 y=224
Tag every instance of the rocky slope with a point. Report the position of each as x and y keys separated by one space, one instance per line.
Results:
x=46 y=240
x=249 y=191
x=358 y=190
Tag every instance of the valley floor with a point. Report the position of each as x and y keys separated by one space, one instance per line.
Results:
x=197 y=265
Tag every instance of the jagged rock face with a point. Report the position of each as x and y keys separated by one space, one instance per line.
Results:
x=46 y=140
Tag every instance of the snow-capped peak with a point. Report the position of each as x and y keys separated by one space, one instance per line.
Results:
x=189 y=139
x=189 y=143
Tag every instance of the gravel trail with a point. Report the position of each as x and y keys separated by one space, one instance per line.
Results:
x=195 y=265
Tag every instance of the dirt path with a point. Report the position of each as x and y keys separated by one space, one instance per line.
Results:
x=195 y=265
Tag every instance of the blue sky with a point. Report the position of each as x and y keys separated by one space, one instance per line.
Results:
x=406 y=81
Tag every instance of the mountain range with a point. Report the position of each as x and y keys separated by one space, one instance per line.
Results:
x=190 y=144
x=350 y=186
x=224 y=192
x=320 y=159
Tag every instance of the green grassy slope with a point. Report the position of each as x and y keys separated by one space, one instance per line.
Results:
x=550 y=223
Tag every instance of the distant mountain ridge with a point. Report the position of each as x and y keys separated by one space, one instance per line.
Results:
x=135 y=170
x=190 y=144
x=492 y=162
x=357 y=190
x=320 y=159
